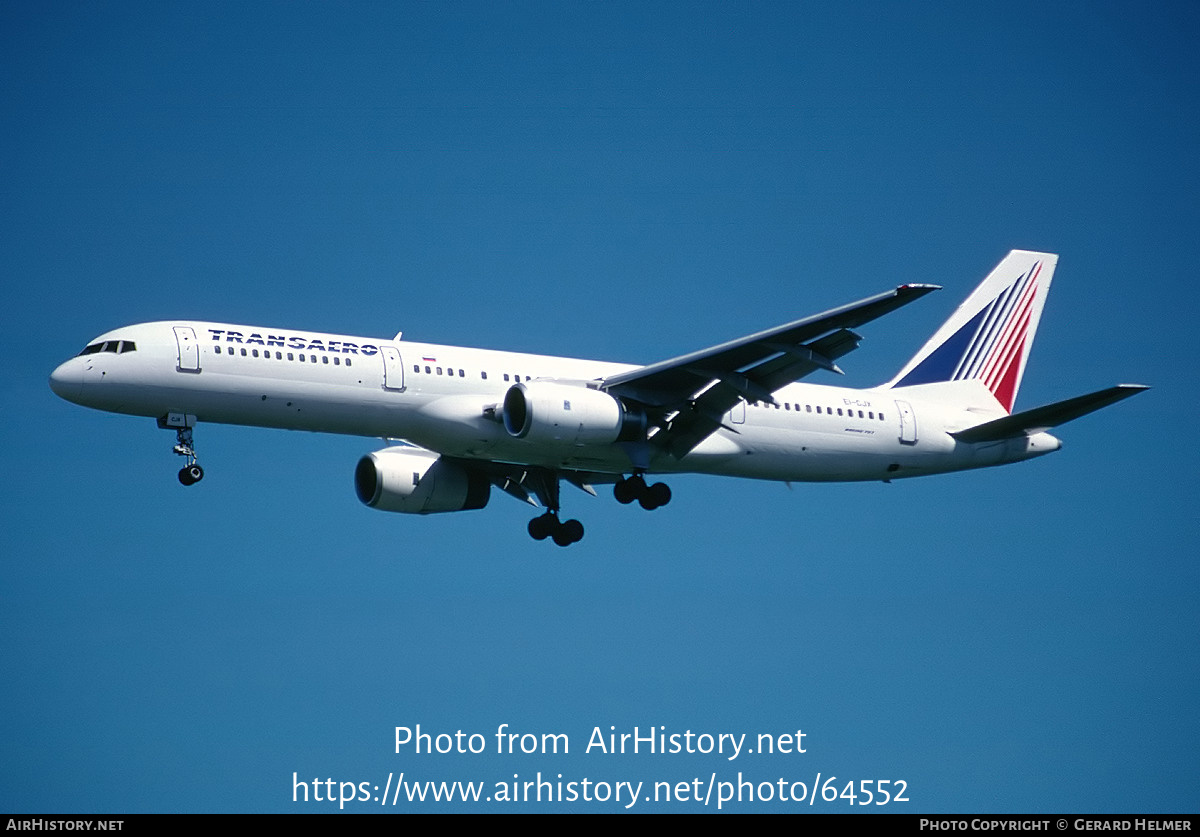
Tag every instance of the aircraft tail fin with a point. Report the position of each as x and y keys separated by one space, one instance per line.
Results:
x=989 y=336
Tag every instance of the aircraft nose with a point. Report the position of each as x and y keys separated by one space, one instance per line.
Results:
x=67 y=380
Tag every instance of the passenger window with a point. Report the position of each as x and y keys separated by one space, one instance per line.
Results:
x=291 y=356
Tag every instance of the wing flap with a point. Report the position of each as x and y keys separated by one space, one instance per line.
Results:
x=797 y=361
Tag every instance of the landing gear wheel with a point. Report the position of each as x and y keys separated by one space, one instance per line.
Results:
x=627 y=490
x=568 y=533
x=548 y=526
x=659 y=494
x=649 y=497
x=541 y=527
x=191 y=474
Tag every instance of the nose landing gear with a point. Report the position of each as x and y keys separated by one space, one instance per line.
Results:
x=182 y=424
x=191 y=473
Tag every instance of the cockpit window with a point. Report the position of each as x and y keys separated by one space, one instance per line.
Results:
x=114 y=346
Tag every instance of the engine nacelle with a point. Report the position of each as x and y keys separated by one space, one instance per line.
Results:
x=566 y=414
x=415 y=481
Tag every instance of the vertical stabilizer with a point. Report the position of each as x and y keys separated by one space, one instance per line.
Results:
x=988 y=338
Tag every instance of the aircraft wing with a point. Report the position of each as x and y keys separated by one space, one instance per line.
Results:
x=693 y=392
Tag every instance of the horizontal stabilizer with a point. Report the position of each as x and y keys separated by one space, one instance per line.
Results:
x=1043 y=418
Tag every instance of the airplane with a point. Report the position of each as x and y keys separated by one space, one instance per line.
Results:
x=461 y=421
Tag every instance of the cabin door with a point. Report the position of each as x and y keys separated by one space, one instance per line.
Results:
x=393 y=369
x=189 y=349
x=908 y=423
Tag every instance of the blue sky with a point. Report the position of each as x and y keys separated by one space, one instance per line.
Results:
x=626 y=182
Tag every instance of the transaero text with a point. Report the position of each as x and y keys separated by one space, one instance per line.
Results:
x=653 y=740
x=293 y=341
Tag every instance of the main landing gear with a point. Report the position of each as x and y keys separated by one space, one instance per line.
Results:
x=564 y=533
x=649 y=496
x=191 y=473
x=567 y=532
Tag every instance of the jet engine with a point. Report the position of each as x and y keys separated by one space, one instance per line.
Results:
x=566 y=414
x=416 y=481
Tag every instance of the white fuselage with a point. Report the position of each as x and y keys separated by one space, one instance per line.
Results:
x=447 y=399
